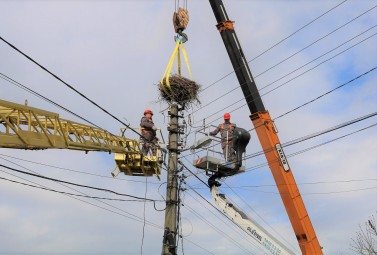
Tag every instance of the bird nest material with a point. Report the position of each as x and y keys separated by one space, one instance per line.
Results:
x=182 y=90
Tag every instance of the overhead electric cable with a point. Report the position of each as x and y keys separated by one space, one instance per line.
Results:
x=241 y=200
x=76 y=171
x=188 y=240
x=12 y=81
x=285 y=83
x=276 y=232
x=302 y=151
x=311 y=101
x=129 y=215
x=206 y=199
x=322 y=132
x=299 y=140
x=310 y=148
x=319 y=39
x=72 y=194
x=69 y=86
x=299 y=184
x=75 y=184
x=316 y=147
x=359 y=76
x=217 y=229
x=237 y=229
x=302 y=139
x=256 y=76
x=282 y=40
x=316 y=193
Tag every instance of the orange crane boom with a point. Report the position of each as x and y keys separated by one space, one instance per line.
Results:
x=267 y=134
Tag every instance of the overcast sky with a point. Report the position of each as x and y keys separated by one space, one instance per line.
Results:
x=115 y=52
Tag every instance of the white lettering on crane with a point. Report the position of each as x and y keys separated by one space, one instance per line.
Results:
x=282 y=157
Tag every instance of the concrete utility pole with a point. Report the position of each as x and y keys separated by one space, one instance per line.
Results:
x=170 y=233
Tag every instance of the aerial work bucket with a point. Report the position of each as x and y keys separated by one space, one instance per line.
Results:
x=209 y=155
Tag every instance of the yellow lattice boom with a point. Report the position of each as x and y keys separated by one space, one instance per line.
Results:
x=25 y=127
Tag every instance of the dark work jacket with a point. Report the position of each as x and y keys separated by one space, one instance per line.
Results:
x=147 y=128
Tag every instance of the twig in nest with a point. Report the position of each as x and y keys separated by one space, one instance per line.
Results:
x=182 y=90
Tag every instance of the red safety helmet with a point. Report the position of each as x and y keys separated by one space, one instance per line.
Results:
x=227 y=116
x=148 y=111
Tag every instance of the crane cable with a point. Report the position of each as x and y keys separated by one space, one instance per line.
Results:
x=180 y=22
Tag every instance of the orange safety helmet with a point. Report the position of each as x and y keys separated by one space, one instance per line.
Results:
x=227 y=116
x=148 y=111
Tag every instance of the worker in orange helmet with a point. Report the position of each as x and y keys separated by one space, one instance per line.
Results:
x=226 y=130
x=148 y=131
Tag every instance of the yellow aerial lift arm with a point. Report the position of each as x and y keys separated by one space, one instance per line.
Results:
x=25 y=127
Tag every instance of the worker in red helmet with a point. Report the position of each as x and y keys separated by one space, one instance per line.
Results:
x=148 y=131
x=226 y=130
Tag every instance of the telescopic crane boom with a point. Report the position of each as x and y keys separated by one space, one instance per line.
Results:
x=267 y=134
x=25 y=127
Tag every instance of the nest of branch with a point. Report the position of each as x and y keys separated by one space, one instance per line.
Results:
x=182 y=90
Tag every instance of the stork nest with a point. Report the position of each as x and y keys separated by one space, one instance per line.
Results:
x=182 y=90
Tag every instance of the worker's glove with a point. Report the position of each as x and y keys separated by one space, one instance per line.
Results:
x=154 y=128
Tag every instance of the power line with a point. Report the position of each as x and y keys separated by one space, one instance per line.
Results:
x=305 y=138
x=313 y=147
x=324 y=94
x=315 y=99
x=77 y=171
x=233 y=203
x=69 y=86
x=285 y=83
x=300 y=152
x=130 y=215
x=344 y=124
x=217 y=229
x=319 y=39
x=206 y=199
x=237 y=87
x=260 y=217
x=135 y=218
x=12 y=81
x=299 y=184
x=306 y=47
x=76 y=184
x=282 y=40
x=72 y=194
x=204 y=249
x=316 y=193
